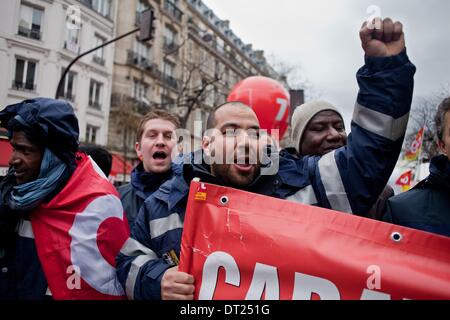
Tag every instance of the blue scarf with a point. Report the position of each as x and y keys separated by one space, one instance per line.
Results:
x=30 y=195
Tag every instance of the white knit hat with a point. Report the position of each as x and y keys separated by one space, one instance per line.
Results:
x=303 y=115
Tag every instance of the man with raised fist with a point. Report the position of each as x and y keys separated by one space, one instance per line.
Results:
x=348 y=179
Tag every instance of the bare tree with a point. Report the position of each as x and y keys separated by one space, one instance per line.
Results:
x=195 y=85
x=126 y=112
x=193 y=94
x=294 y=78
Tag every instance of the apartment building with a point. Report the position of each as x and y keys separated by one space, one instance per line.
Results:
x=39 y=38
x=188 y=68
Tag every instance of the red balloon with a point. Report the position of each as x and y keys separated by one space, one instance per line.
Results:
x=268 y=98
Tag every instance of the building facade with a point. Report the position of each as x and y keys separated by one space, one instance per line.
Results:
x=39 y=38
x=190 y=66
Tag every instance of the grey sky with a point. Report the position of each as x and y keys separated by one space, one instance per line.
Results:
x=321 y=37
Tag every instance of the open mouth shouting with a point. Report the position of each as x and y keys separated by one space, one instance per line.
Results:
x=243 y=165
x=160 y=156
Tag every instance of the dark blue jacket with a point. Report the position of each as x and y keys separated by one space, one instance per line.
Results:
x=427 y=206
x=349 y=179
x=21 y=274
x=143 y=185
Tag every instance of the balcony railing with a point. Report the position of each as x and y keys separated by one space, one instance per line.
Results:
x=95 y=105
x=170 y=81
x=98 y=60
x=173 y=10
x=23 y=86
x=153 y=69
x=138 y=106
x=171 y=47
x=72 y=47
x=134 y=59
x=141 y=107
x=68 y=96
x=30 y=33
x=90 y=5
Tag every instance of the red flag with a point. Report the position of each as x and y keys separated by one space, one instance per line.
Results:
x=414 y=150
x=79 y=233
x=405 y=180
x=240 y=245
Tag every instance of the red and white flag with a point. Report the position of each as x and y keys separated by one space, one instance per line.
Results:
x=405 y=180
x=416 y=146
x=78 y=235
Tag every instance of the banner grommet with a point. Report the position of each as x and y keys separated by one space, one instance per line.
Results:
x=224 y=200
x=396 y=237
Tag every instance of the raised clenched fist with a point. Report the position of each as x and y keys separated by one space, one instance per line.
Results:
x=382 y=38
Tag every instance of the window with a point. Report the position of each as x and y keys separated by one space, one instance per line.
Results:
x=167 y=102
x=169 y=69
x=142 y=6
x=91 y=134
x=169 y=75
x=142 y=52
x=140 y=91
x=30 y=23
x=233 y=79
x=172 y=8
x=68 y=86
x=24 y=78
x=95 y=90
x=102 y=6
x=99 y=53
x=220 y=45
x=170 y=37
x=210 y=94
x=72 y=40
x=226 y=77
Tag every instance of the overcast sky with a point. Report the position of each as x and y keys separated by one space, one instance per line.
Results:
x=321 y=38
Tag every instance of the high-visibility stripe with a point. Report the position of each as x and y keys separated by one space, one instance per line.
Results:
x=25 y=229
x=305 y=196
x=332 y=182
x=159 y=227
x=379 y=123
x=133 y=273
x=133 y=248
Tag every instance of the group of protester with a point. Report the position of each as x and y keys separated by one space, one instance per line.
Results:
x=324 y=168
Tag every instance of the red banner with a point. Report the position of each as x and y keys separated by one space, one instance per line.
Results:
x=241 y=245
x=78 y=235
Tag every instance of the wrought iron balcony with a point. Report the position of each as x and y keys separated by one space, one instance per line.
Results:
x=72 y=47
x=170 y=81
x=23 y=86
x=95 y=105
x=173 y=10
x=30 y=33
x=98 y=60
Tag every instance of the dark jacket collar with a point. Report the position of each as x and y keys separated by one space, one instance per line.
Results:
x=439 y=173
x=177 y=189
x=145 y=183
x=294 y=168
